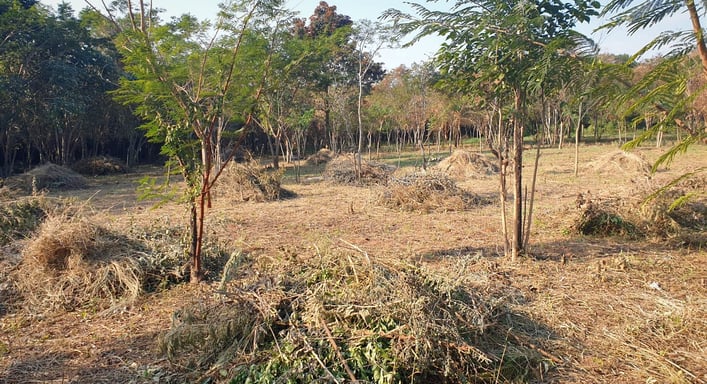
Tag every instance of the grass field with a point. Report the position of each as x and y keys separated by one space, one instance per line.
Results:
x=607 y=309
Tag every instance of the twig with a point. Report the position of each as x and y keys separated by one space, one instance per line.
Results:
x=338 y=352
x=355 y=248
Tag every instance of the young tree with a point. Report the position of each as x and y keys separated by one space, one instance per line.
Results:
x=503 y=51
x=189 y=88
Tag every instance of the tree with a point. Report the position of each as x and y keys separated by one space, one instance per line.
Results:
x=664 y=93
x=504 y=51
x=189 y=88
x=368 y=39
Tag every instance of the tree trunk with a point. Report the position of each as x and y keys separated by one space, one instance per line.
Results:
x=517 y=245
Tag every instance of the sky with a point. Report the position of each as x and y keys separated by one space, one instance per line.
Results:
x=615 y=42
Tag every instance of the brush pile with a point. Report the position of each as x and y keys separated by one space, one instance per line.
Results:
x=602 y=218
x=343 y=317
x=433 y=192
x=322 y=156
x=47 y=177
x=620 y=163
x=72 y=263
x=249 y=181
x=463 y=165
x=99 y=166
x=20 y=216
x=342 y=170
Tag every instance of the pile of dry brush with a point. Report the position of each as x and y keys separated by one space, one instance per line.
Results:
x=249 y=181
x=677 y=214
x=72 y=263
x=47 y=177
x=343 y=317
x=431 y=192
x=99 y=165
x=342 y=170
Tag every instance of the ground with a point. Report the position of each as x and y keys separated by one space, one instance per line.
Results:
x=600 y=310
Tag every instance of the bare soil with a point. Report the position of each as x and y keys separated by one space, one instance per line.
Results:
x=600 y=310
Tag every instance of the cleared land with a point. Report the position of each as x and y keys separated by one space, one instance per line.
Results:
x=591 y=309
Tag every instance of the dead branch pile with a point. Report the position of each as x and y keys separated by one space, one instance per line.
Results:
x=98 y=166
x=620 y=162
x=342 y=170
x=47 y=177
x=322 y=156
x=19 y=217
x=343 y=316
x=601 y=218
x=431 y=192
x=72 y=263
x=462 y=164
x=678 y=212
x=249 y=181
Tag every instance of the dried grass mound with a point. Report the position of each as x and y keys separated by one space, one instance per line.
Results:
x=462 y=164
x=342 y=170
x=344 y=317
x=427 y=193
x=620 y=162
x=72 y=263
x=679 y=213
x=250 y=181
x=48 y=177
x=601 y=218
x=99 y=166
x=20 y=217
x=322 y=156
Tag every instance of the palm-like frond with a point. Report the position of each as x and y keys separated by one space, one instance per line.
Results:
x=641 y=16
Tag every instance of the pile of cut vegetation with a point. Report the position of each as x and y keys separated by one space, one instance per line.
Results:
x=72 y=263
x=603 y=218
x=345 y=318
x=20 y=216
x=342 y=170
x=463 y=164
x=48 y=177
x=620 y=162
x=322 y=156
x=99 y=166
x=432 y=192
x=249 y=181
x=678 y=212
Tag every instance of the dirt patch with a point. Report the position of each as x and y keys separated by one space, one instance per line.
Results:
x=463 y=164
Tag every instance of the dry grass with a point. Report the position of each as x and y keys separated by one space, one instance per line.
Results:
x=432 y=192
x=620 y=162
x=72 y=263
x=323 y=156
x=342 y=170
x=463 y=164
x=48 y=177
x=249 y=181
x=341 y=314
x=582 y=310
x=99 y=166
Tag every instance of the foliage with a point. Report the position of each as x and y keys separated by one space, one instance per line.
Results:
x=343 y=317
x=20 y=217
x=504 y=53
x=54 y=75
